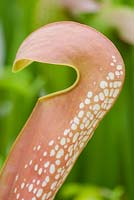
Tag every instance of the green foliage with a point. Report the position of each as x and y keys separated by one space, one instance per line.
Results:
x=74 y=191
x=108 y=160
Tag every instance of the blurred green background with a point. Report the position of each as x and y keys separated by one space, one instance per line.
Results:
x=105 y=170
